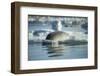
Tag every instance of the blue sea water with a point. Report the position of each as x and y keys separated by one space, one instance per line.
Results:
x=37 y=51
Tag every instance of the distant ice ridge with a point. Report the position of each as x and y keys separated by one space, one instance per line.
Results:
x=71 y=35
x=39 y=34
x=77 y=35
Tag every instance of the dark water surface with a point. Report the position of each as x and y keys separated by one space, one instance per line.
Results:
x=37 y=51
